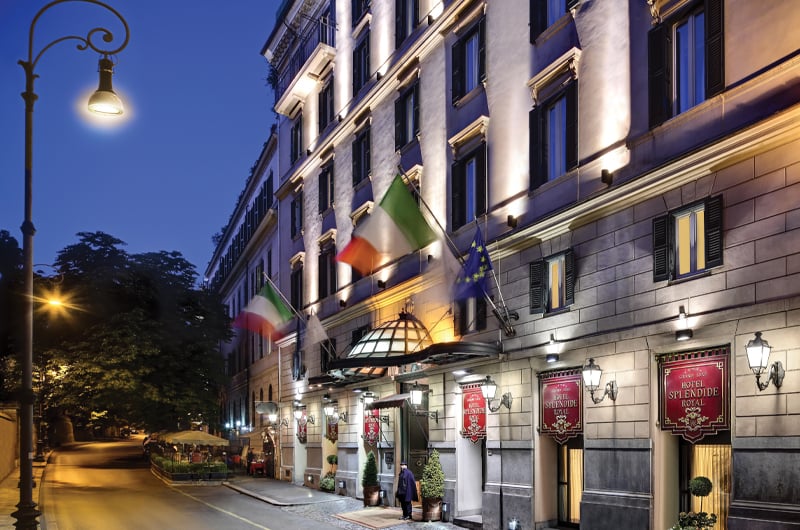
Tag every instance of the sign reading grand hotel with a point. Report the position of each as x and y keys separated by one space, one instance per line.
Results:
x=694 y=393
x=561 y=406
x=474 y=413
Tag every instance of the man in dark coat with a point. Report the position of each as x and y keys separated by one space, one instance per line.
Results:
x=406 y=490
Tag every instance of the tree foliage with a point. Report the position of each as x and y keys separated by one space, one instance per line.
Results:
x=138 y=343
x=432 y=484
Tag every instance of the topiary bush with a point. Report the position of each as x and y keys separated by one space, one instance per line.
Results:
x=370 y=476
x=698 y=487
x=432 y=483
x=328 y=482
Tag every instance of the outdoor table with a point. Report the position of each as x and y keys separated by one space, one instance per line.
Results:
x=256 y=467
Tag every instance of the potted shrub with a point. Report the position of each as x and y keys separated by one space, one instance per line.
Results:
x=432 y=488
x=369 y=481
x=698 y=487
x=328 y=482
x=333 y=460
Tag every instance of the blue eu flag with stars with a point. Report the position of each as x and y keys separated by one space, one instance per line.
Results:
x=471 y=281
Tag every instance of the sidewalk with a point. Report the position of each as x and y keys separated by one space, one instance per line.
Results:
x=321 y=506
x=9 y=493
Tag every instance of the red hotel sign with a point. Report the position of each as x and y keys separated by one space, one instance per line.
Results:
x=372 y=426
x=561 y=406
x=474 y=413
x=694 y=393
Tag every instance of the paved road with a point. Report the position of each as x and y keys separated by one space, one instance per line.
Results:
x=108 y=485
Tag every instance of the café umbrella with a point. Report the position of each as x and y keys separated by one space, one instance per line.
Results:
x=195 y=437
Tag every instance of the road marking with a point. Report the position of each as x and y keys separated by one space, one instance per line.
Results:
x=226 y=512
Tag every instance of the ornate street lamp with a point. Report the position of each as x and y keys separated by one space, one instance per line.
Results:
x=103 y=101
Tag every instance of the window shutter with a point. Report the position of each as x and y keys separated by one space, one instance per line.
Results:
x=662 y=248
x=366 y=71
x=537 y=153
x=458 y=317
x=356 y=165
x=367 y=162
x=715 y=52
x=480 y=313
x=480 y=182
x=458 y=69
x=569 y=277
x=482 y=50
x=571 y=97
x=713 y=225
x=323 y=191
x=322 y=112
x=354 y=11
x=399 y=119
x=456 y=196
x=415 y=102
x=399 y=22
x=537 y=285
x=538 y=18
x=658 y=75
x=322 y=274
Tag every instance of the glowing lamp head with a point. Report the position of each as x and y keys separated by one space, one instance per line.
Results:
x=105 y=101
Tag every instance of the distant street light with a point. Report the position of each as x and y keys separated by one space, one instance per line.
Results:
x=103 y=101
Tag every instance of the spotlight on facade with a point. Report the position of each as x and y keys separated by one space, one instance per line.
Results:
x=758 y=351
x=683 y=334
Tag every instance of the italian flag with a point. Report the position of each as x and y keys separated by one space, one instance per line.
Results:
x=393 y=229
x=265 y=314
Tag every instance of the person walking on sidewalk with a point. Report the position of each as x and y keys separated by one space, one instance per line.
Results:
x=406 y=490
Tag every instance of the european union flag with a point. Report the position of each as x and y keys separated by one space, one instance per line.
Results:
x=471 y=282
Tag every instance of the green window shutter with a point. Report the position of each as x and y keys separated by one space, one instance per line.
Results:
x=663 y=247
x=569 y=277
x=399 y=123
x=457 y=212
x=480 y=181
x=537 y=286
x=538 y=174
x=571 y=97
x=458 y=71
x=715 y=49
x=658 y=75
x=538 y=18
x=713 y=231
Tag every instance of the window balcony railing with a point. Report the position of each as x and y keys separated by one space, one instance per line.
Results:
x=314 y=51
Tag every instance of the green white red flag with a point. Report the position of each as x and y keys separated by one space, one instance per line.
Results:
x=266 y=313
x=395 y=228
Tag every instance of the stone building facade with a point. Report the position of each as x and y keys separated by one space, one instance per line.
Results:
x=634 y=168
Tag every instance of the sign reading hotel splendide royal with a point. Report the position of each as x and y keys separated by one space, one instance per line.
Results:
x=474 y=413
x=561 y=405
x=694 y=393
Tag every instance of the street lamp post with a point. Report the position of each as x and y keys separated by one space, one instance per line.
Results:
x=104 y=101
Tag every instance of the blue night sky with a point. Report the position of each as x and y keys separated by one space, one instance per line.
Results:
x=167 y=175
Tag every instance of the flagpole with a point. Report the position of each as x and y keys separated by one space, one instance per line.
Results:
x=285 y=300
x=505 y=317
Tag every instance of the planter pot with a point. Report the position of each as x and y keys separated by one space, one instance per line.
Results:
x=431 y=509
x=372 y=495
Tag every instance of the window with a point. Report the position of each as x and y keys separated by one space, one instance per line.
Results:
x=545 y=13
x=325 y=110
x=327 y=353
x=469 y=61
x=327 y=271
x=471 y=315
x=296 y=293
x=358 y=333
x=359 y=8
x=297 y=215
x=688 y=241
x=361 y=72
x=326 y=188
x=554 y=136
x=296 y=140
x=685 y=60
x=406 y=19
x=468 y=188
x=361 y=155
x=552 y=283
x=406 y=117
